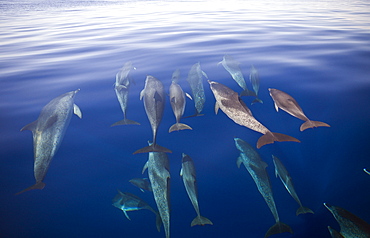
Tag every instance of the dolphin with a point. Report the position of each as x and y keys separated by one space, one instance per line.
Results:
x=257 y=169
x=366 y=171
x=159 y=175
x=334 y=233
x=142 y=183
x=255 y=80
x=285 y=178
x=48 y=132
x=285 y=102
x=128 y=202
x=154 y=101
x=232 y=66
x=351 y=226
x=189 y=177
x=196 y=84
x=178 y=102
x=236 y=110
x=175 y=76
x=121 y=87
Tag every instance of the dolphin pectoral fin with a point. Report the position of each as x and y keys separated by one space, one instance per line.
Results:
x=312 y=124
x=145 y=167
x=153 y=148
x=39 y=185
x=120 y=87
x=334 y=233
x=126 y=215
x=189 y=96
x=239 y=161
x=271 y=137
x=179 y=126
x=204 y=74
x=276 y=107
x=125 y=122
x=277 y=228
x=217 y=107
x=201 y=221
x=303 y=210
x=77 y=111
x=366 y=171
x=141 y=94
x=181 y=172
x=31 y=126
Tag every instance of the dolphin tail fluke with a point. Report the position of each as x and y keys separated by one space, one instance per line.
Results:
x=39 y=185
x=179 y=126
x=201 y=221
x=125 y=122
x=271 y=137
x=153 y=148
x=303 y=210
x=158 y=221
x=256 y=100
x=279 y=227
x=312 y=124
x=248 y=92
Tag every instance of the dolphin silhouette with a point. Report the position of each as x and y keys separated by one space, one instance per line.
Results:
x=195 y=81
x=255 y=80
x=48 y=132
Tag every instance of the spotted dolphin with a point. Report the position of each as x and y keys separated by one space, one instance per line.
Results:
x=142 y=184
x=190 y=182
x=351 y=226
x=122 y=85
x=48 y=132
x=236 y=110
x=287 y=103
x=128 y=202
x=232 y=66
x=159 y=175
x=257 y=169
x=255 y=80
x=195 y=81
x=154 y=101
x=178 y=102
x=285 y=178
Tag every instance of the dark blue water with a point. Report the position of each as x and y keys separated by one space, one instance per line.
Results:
x=317 y=51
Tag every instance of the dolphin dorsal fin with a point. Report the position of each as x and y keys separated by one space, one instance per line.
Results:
x=173 y=99
x=239 y=161
x=157 y=97
x=77 y=111
x=31 y=126
x=142 y=94
x=217 y=106
x=204 y=74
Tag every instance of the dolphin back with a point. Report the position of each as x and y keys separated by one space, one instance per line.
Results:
x=277 y=228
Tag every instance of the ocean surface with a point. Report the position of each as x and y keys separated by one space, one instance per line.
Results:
x=316 y=51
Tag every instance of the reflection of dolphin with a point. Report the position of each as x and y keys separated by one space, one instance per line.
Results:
x=257 y=169
x=178 y=102
x=351 y=226
x=366 y=171
x=128 y=202
x=236 y=110
x=154 y=101
x=334 y=233
x=175 y=76
x=232 y=66
x=190 y=182
x=159 y=175
x=142 y=183
x=122 y=86
x=255 y=80
x=287 y=103
x=48 y=132
x=285 y=178
x=196 y=84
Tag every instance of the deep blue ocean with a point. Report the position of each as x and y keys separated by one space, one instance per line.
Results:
x=316 y=51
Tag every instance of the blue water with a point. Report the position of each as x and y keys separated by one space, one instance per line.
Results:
x=316 y=51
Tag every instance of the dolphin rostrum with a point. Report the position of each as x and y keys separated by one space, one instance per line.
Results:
x=195 y=80
x=48 y=132
x=154 y=101
x=255 y=80
x=159 y=175
x=351 y=226
x=285 y=178
x=128 y=202
x=287 y=103
x=236 y=110
x=121 y=87
x=257 y=169
x=232 y=66
x=189 y=177
x=178 y=102
x=142 y=183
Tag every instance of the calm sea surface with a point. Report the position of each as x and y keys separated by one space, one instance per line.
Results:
x=316 y=51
